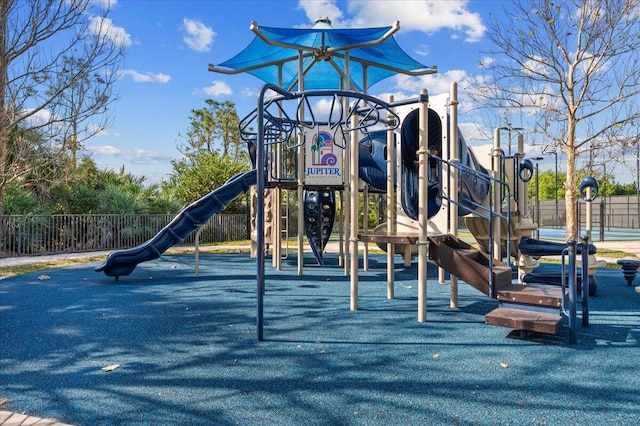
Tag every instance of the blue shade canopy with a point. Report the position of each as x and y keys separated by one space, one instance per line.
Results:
x=368 y=55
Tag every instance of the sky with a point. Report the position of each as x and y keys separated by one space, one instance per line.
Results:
x=169 y=44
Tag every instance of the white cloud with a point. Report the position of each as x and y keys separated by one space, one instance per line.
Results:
x=38 y=118
x=218 y=88
x=142 y=156
x=535 y=66
x=423 y=50
x=107 y=4
x=595 y=63
x=136 y=156
x=315 y=9
x=322 y=107
x=397 y=96
x=104 y=150
x=436 y=83
x=147 y=77
x=199 y=37
x=99 y=131
x=105 y=27
x=426 y=16
x=248 y=92
x=487 y=61
x=473 y=132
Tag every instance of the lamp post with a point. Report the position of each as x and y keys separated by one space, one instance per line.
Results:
x=537 y=215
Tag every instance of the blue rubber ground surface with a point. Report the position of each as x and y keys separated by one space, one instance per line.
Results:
x=188 y=351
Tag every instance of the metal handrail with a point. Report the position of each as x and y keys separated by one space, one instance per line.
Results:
x=569 y=288
x=491 y=213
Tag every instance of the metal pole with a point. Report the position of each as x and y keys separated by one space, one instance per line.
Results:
x=353 y=212
x=453 y=181
x=496 y=166
x=365 y=225
x=260 y=184
x=300 y=172
x=344 y=84
x=638 y=178
x=557 y=221
x=537 y=212
x=573 y=292
x=604 y=201
x=588 y=214
x=585 y=281
x=276 y=226
x=197 y=252
x=538 y=200
x=603 y=210
x=391 y=206
x=423 y=203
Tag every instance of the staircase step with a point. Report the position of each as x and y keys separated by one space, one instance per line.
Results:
x=524 y=320
x=540 y=295
x=467 y=263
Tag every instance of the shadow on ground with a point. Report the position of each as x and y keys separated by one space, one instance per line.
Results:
x=188 y=353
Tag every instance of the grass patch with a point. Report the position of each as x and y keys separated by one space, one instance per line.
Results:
x=227 y=244
x=615 y=254
x=11 y=271
x=243 y=246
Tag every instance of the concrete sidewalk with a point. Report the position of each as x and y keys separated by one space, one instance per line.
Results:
x=631 y=247
x=28 y=260
x=8 y=418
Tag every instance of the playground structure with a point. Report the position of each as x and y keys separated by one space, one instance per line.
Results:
x=319 y=141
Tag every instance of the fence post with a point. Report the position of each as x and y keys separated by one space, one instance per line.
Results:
x=602 y=218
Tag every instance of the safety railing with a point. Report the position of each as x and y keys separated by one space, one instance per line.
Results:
x=497 y=188
x=570 y=297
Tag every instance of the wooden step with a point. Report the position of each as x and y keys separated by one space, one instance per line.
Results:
x=539 y=295
x=524 y=320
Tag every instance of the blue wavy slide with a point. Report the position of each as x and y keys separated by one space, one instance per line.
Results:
x=123 y=262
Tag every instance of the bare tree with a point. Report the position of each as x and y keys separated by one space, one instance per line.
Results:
x=59 y=61
x=572 y=67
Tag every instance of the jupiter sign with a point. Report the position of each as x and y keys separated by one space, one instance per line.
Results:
x=324 y=159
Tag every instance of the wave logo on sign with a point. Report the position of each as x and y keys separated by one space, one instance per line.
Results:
x=322 y=149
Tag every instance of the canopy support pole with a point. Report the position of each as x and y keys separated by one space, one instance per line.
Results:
x=423 y=203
